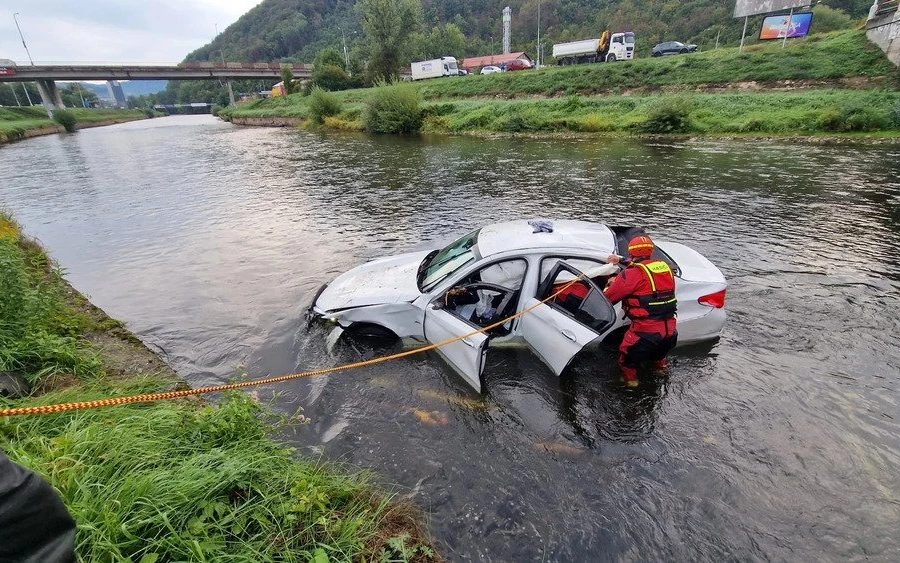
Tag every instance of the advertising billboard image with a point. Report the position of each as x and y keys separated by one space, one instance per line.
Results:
x=775 y=27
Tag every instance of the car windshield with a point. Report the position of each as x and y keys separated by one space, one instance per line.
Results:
x=437 y=266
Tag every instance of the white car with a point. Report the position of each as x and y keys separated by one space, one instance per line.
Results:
x=490 y=69
x=505 y=268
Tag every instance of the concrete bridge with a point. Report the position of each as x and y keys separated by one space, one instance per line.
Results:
x=883 y=27
x=46 y=75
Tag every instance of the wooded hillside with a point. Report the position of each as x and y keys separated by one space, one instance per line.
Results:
x=297 y=29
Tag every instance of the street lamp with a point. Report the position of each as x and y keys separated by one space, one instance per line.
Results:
x=27 y=51
x=23 y=38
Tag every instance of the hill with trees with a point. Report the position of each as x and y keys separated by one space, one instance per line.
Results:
x=298 y=30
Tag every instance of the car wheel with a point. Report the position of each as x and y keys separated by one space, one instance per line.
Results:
x=370 y=334
x=684 y=51
x=610 y=58
x=655 y=54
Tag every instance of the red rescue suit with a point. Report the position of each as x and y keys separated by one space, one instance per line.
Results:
x=646 y=289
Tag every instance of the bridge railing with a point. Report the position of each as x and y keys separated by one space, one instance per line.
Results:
x=241 y=66
x=884 y=8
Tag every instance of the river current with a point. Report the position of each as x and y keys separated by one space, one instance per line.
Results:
x=779 y=442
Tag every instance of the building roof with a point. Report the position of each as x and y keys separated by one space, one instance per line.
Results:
x=519 y=235
x=502 y=58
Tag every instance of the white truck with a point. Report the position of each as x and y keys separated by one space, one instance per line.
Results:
x=444 y=66
x=616 y=47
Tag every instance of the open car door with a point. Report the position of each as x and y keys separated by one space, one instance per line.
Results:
x=466 y=356
x=559 y=329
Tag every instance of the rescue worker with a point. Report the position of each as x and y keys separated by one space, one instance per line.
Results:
x=646 y=288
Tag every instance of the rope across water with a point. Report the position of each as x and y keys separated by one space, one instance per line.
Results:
x=165 y=395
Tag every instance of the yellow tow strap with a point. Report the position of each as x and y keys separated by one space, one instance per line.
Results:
x=147 y=397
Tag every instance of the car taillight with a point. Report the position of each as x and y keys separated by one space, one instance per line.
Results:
x=716 y=299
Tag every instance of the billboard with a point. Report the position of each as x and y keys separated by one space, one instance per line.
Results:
x=744 y=8
x=778 y=27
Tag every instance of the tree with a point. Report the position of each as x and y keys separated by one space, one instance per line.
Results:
x=74 y=95
x=287 y=76
x=447 y=39
x=388 y=25
x=329 y=72
x=329 y=56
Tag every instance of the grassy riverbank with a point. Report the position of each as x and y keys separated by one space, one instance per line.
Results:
x=178 y=480
x=824 y=84
x=19 y=122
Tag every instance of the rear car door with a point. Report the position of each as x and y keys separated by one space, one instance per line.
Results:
x=466 y=355
x=560 y=328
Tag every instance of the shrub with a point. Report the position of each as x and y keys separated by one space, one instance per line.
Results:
x=830 y=19
x=669 y=115
x=330 y=77
x=593 y=123
x=322 y=104
x=853 y=116
x=394 y=108
x=215 y=110
x=65 y=118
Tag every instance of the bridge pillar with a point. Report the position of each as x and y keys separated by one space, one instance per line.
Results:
x=230 y=93
x=50 y=96
x=883 y=28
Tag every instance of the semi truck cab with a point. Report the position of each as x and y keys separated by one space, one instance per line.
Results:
x=621 y=47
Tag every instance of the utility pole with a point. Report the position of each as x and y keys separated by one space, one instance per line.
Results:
x=346 y=55
x=227 y=80
x=538 y=54
x=30 y=103
x=23 y=38
x=787 y=28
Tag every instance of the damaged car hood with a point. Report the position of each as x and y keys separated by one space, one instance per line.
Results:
x=386 y=280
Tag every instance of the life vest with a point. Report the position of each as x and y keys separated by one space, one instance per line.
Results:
x=659 y=302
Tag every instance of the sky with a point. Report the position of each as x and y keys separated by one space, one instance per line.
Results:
x=113 y=31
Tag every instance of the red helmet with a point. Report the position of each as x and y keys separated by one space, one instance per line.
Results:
x=640 y=246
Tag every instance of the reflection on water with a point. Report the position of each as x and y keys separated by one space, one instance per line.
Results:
x=778 y=442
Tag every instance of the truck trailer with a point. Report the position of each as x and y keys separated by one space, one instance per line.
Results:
x=616 y=47
x=444 y=66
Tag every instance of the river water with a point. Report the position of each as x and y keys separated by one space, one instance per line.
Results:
x=781 y=441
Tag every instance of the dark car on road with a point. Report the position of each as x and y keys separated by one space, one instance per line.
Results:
x=672 y=48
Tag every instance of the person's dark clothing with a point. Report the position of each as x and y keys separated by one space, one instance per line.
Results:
x=34 y=523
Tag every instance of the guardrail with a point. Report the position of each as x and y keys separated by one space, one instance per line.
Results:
x=883 y=8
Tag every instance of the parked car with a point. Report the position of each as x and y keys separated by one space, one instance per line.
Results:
x=672 y=48
x=505 y=268
x=463 y=72
x=490 y=69
x=518 y=64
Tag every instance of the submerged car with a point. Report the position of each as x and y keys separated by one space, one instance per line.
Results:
x=672 y=48
x=505 y=268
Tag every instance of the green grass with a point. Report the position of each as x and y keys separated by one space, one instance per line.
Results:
x=177 y=480
x=40 y=335
x=801 y=112
x=829 y=56
x=15 y=121
x=630 y=97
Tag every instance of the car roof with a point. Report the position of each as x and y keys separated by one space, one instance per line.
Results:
x=519 y=235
